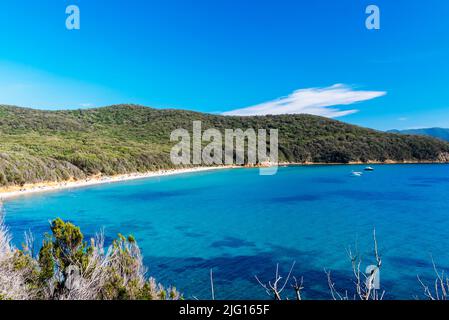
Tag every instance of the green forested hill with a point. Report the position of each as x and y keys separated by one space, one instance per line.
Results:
x=440 y=133
x=38 y=145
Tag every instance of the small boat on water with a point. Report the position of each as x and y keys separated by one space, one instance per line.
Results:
x=356 y=174
x=369 y=169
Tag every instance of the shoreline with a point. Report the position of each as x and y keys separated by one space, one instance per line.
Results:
x=33 y=188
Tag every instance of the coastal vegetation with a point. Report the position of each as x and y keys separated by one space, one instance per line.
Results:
x=69 y=268
x=48 y=146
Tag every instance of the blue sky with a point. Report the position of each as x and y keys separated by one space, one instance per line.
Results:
x=226 y=55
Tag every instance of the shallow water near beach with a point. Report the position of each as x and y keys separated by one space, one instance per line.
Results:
x=241 y=224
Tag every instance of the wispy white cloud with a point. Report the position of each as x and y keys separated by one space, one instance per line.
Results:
x=316 y=101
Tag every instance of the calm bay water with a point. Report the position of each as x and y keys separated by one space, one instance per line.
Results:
x=241 y=224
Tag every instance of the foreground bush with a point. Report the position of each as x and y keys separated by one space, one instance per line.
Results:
x=68 y=268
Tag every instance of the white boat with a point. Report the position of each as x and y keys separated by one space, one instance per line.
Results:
x=357 y=174
x=369 y=169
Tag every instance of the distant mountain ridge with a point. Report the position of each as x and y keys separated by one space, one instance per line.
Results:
x=440 y=133
x=42 y=146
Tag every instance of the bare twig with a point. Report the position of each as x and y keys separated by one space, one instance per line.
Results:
x=212 y=284
x=441 y=285
x=273 y=288
x=365 y=284
x=298 y=288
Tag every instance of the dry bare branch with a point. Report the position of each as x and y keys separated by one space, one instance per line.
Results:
x=365 y=286
x=274 y=288
x=441 y=285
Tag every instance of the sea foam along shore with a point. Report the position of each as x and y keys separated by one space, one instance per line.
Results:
x=11 y=192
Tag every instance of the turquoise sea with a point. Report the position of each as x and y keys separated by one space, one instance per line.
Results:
x=242 y=224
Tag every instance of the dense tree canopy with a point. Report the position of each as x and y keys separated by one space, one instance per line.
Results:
x=38 y=146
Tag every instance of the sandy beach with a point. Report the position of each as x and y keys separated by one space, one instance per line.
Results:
x=16 y=191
